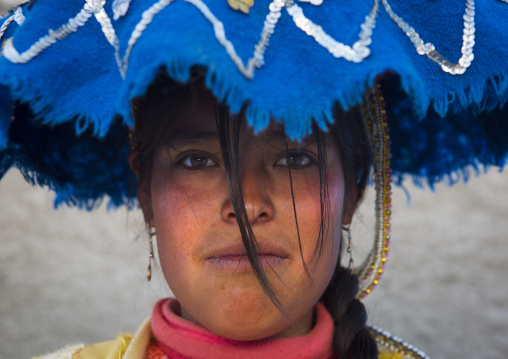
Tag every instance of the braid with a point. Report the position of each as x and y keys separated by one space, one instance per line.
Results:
x=351 y=338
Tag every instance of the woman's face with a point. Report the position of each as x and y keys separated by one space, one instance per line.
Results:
x=199 y=242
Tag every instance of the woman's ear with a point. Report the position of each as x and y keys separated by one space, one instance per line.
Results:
x=143 y=191
x=351 y=200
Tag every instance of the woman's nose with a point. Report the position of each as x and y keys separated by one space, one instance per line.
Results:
x=255 y=186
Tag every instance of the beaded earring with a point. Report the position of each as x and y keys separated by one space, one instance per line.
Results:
x=349 y=248
x=151 y=234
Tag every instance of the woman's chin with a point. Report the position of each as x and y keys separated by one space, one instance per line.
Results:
x=239 y=308
x=244 y=318
x=247 y=320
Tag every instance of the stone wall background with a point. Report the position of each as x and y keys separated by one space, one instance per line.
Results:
x=69 y=276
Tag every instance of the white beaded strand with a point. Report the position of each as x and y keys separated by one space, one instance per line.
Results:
x=428 y=48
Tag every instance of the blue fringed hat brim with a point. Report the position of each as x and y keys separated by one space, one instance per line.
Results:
x=74 y=89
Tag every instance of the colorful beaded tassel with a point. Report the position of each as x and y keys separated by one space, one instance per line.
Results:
x=370 y=272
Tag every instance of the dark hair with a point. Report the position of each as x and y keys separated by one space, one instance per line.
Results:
x=351 y=339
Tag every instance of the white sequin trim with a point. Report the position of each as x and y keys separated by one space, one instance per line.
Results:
x=146 y=18
x=358 y=52
x=268 y=28
x=5 y=25
x=313 y=2
x=18 y=16
x=428 y=48
x=97 y=7
x=11 y=54
x=120 y=8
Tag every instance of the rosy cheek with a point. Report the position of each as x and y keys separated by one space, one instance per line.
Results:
x=182 y=210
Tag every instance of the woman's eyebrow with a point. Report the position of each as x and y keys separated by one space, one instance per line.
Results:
x=185 y=136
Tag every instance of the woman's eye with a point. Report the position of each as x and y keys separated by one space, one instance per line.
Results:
x=197 y=162
x=295 y=160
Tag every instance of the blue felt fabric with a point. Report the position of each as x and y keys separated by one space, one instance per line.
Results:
x=75 y=84
x=65 y=166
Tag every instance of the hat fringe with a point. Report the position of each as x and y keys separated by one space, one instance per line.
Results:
x=479 y=97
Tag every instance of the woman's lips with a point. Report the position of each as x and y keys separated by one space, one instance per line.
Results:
x=242 y=261
x=235 y=256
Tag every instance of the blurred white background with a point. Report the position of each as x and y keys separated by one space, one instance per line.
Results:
x=70 y=276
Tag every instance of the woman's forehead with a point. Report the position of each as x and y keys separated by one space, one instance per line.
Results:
x=196 y=116
x=204 y=127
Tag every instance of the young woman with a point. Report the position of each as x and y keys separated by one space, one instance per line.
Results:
x=249 y=226
x=247 y=190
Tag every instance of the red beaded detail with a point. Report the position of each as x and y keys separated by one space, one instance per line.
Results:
x=152 y=352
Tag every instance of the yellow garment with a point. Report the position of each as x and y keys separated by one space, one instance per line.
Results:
x=124 y=346
x=383 y=354
x=113 y=349
x=64 y=353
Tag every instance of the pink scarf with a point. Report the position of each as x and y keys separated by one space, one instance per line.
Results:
x=178 y=338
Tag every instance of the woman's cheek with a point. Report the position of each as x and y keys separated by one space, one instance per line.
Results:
x=184 y=196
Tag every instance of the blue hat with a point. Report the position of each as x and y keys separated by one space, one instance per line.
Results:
x=69 y=70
